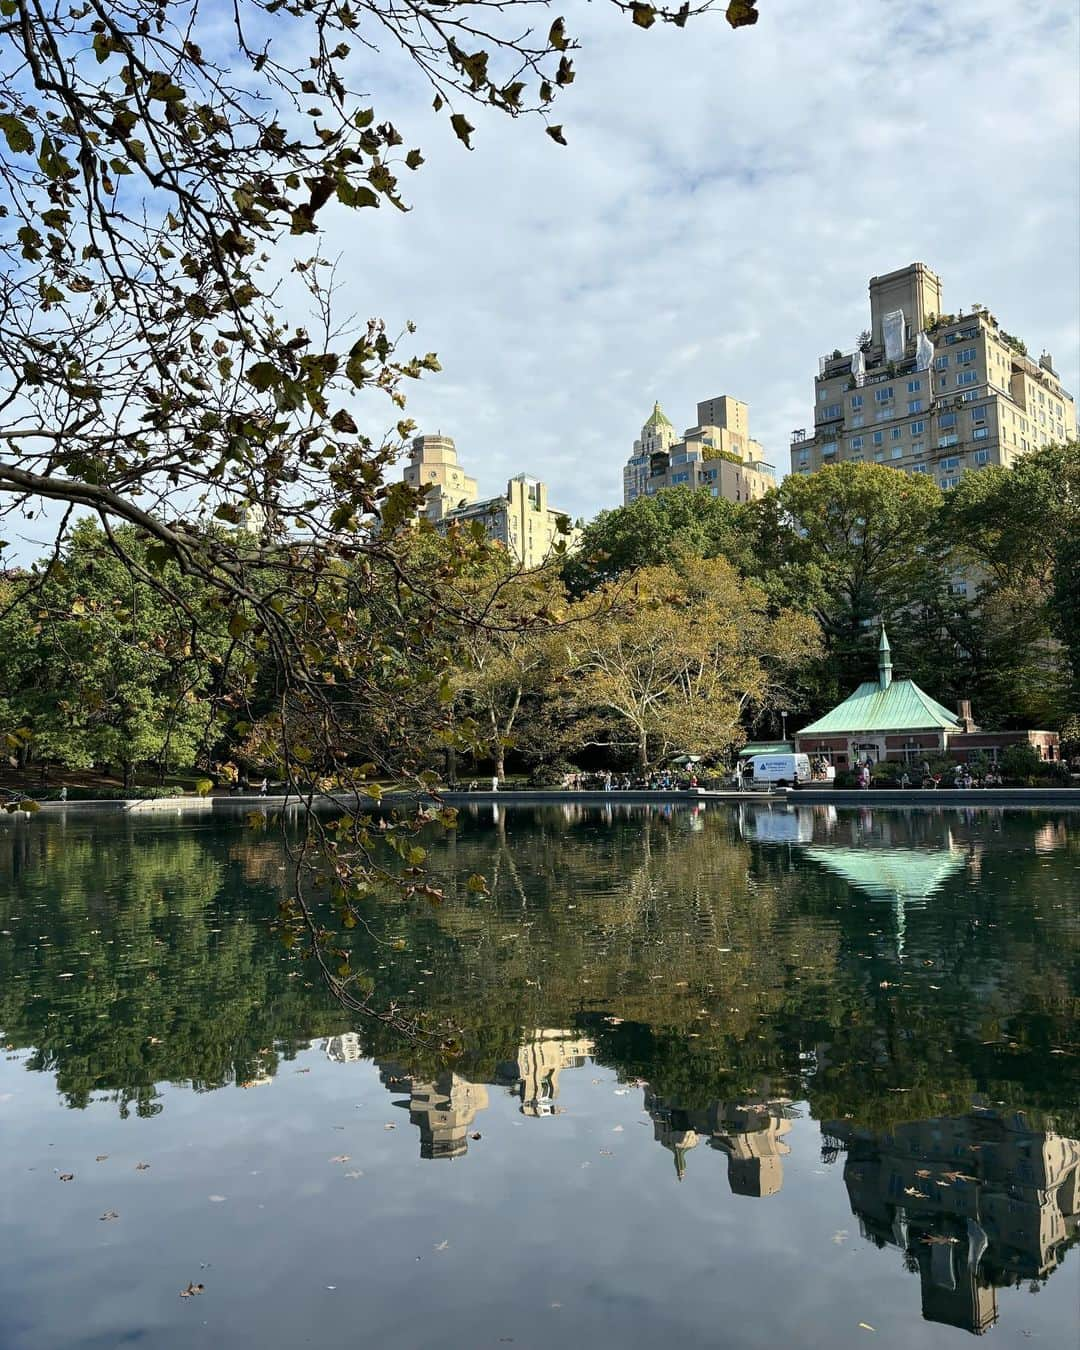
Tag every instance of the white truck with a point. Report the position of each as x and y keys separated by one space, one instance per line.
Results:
x=780 y=770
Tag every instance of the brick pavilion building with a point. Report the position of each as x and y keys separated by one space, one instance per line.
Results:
x=887 y=719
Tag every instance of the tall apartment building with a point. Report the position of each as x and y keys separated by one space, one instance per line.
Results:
x=433 y=464
x=930 y=392
x=718 y=455
x=522 y=521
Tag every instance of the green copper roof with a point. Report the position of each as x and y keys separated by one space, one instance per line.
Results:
x=767 y=748
x=657 y=419
x=901 y=706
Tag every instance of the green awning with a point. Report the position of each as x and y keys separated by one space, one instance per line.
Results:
x=767 y=748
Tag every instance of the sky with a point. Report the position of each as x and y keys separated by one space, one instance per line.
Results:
x=713 y=224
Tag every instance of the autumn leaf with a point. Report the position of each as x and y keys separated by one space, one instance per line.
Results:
x=741 y=13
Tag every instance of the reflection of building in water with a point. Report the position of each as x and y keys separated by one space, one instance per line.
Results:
x=750 y=1133
x=344 y=1049
x=443 y=1109
x=539 y=1063
x=902 y=877
x=975 y=1202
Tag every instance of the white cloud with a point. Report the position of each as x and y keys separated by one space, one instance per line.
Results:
x=712 y=227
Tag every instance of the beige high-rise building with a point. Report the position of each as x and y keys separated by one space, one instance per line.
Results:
x=433 y=465
x=718 y=455
x=522 y=521
x=929 y=392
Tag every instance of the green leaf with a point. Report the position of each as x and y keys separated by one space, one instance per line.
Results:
x=263 y=375
x=414 y=159
x=477 y=885
x=557 y=36
x=20 y=139
x=556 y=134
x=239 y=625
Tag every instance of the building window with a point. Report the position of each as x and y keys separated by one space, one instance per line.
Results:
x=883 y=395
x=917 y=428
x=969 y=395
x=830 y=411
x=947 y=420
x=914 y=405
x=919 y=468
x=964 y=355
x=856 y=401
x=884 y=414
x=804 y=457
x=980 y=433
x=856 y=442
x=982 y=457
x=978 y=414
x=897 y=432
x=856 y=419
x=913 y=386
x=949 y=464
x=879 y=437
x=879 y=455
x=917 y=447
x=942 y=363
x=829 y=448
x=948 y=483
x=822 y=395
x=945 y=441
x=897 y=452
x=967 y=377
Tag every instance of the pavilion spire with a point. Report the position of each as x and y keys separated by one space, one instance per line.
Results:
x=884 y=661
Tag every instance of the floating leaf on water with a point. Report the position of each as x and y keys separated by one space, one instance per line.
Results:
x=67 y=1176
x=142 y=1167
x=191 y=1290
x=109 y=1214
x=341 y=1158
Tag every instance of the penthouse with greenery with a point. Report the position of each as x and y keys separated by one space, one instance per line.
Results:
x=930 y=392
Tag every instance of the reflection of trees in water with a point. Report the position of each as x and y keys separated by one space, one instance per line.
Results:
x=137 y=956
x=975 y=1203
x=730 y=961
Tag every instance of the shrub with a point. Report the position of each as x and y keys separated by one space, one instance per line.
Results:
x=550 y=775
x=204 y=786
x=113 y=794
x=1020 y=762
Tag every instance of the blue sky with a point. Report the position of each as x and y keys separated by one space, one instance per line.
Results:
x=711 y=228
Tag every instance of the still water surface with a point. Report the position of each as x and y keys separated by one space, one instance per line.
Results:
x=731 y=1077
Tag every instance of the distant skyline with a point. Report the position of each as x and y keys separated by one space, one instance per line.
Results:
x=712 y=227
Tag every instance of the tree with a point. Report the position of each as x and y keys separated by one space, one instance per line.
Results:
x=157 y=168
x=680 y=660
x=99 y=667
x=852 y=545
x=1013 y=531
x=504 y=664
x=651 y=532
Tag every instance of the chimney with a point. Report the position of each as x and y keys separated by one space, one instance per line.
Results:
x=967 y=722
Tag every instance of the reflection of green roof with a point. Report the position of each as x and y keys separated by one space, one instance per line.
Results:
x=909 y=875
x=766 y=748
x=656 y=420
x=902 y=706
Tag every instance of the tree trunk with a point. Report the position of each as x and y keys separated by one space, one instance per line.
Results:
x=127 y=775
x=643 y=750
x=500 y=761
x=451 y=765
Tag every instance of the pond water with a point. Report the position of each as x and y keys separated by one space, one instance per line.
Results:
x=734 y=1077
